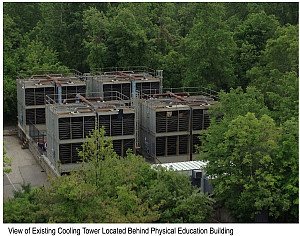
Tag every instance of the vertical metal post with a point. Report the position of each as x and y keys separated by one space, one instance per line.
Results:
x=159 y=74
x=191 y=133
x=133 y=89
x=136 y=111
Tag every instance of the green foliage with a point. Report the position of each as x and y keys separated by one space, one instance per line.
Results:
x=178 y=201
x=193 y=209
x=10 y=101
x=282 y=51
x=95 y=25
x=39 y=57
x=279 y=66
x=210 y=50
x=173 y=67
x=209 y=44
x=251 y=37
x=256 y=30
x=126 y=40
x=237 y=102
x=22 y=13
x=242 y=166
x=286 y=13
x=11 y=42
x=287 y=170
x=60 y=29
x=279 y=57
x=111 y=189
x=25 y=190
x=250 y=159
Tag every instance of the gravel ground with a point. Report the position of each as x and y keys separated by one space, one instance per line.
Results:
x=24 y=167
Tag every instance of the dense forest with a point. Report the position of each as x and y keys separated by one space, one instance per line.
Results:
x=215 y=45
x=247 y=51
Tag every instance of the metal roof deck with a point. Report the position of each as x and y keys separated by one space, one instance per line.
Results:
x=183 y=166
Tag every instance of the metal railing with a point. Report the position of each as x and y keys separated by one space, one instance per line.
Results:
x=65 y=73
x=37 y=135
x=195 y=91
x=133 y=69
x=71 y=103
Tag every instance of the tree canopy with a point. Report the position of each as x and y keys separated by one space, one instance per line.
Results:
x=196 y=44
x=111 y=189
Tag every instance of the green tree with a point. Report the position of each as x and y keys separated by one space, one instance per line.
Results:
x=178 y=201
x=96 y=26
x=235 y=141
x=285 y=12
x=210 y=49
x=21 y=13
x=109 y=188
x=237 y=102
x=60 y=28
x=234 y=104
x=12 y=43
x=173 y=67
x=21 y=208
x=39 y=57
x=10 y=100
x=126 y=40
x=251 y=38
x=277 y=75
x=12 y=40
x=242 y=166
x=186 y=13
x=286 y=166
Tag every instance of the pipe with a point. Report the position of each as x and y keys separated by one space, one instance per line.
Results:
x=95 y=98
x=54 y=80
x=85 y=100
x=178 y=97
x=89 y=98
x=169 y=93
x=47 y=76
x=127 y=71
x=133 y=88
x=175 y=95
x=50 y=78
x=57 y=80
x=117 y=72
x=139 y=75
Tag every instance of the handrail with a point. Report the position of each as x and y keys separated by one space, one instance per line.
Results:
x=135 y=69
x=65 y=73
x=195 y=90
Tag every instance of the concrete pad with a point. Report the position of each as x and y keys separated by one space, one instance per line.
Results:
x=33 y=174
x=8 y=191
x=5 y=180
x=24 y=168
x=15 y=175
